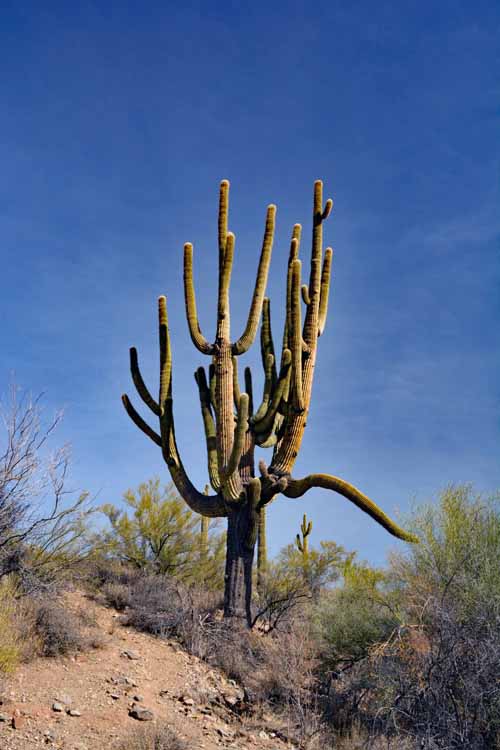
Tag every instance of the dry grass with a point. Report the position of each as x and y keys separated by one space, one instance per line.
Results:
x=153 y=738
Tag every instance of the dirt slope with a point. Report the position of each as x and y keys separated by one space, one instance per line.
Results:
x=130 y=670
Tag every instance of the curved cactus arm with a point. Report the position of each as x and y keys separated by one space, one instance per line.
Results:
x=298 y=543
x=263 y=425
x=325 y=289
x=298 y=487
x=268 y=387
x=140 y=384
x=247 y=338
x=266 y=339
x=305 y=294
x=209 y=426
x=239 y=437
x=197 y=337
x=139 y=421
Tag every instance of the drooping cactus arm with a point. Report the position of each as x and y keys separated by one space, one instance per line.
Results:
x=209 y=426
x=139 y=383
x=236 y=383
x=298 y=487
x=247 y=338
x=197 y=337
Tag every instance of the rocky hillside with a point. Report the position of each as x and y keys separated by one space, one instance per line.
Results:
x=98 y=698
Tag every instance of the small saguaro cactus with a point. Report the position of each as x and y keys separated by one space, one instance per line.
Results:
x=232 y=426
x=303 y=543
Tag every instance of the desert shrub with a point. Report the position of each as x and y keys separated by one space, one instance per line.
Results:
x=58 y=630
x=10 y=647
x=433 y=679
x=117 y=595
x=352 y=618
x=153 y=738
x=160 y=534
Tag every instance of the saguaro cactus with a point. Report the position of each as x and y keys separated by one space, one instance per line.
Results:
x=303 y=543
x=232 y=426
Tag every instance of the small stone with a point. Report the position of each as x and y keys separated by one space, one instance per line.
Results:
x=141 y=714
x=115 y=696
x=186 y=700
x=17 y=719
x=132 y=655
x=66 y=700
x=263 y=735
x=138 y=698
x=3 y=718
x=58 y=707
x=74 y=712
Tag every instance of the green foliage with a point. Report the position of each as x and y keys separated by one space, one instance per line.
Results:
x=357 y=615
x=161 y=533
x=459 y=553
x=10 y=650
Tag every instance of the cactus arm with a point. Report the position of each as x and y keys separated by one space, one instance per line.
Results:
x=140 y=384
x=249 y=390
x=298 y=487
x=266 y=339
x=264 y=424
x=325 y=289
x=139 y=421
x=268 y=387
x=197 y=337
x=319 y=216
x=296 y=338
x=239 y=437
x=305 y=294
x=246 y=339
x=223 y=216
x=212 y=387
x=236 y=383
x=209 y=426
x=261 y=548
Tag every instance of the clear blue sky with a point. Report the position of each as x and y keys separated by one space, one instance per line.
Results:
x=119 y=120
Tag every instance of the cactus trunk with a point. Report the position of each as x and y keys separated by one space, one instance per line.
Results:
x=239 y=566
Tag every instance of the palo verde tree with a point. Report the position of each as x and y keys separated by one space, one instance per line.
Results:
x=232 y=426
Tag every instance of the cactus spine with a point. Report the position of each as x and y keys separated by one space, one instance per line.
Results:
x=232 y=426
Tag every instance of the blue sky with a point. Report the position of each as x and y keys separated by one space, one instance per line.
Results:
x=118 y=122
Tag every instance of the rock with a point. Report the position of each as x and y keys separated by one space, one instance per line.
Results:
x=132 y=655
x=17 y=719
x=58 y=707
x=141 y=714
x=74 y=712
x=186 y=700
x=66 y=700
x=138 y=698
x=263 y=735
x=4 y=718
x=115 y=696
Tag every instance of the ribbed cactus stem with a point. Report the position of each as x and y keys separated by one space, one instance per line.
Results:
x=261 y=549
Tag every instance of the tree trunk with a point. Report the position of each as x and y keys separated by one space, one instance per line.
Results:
x=239 y=564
